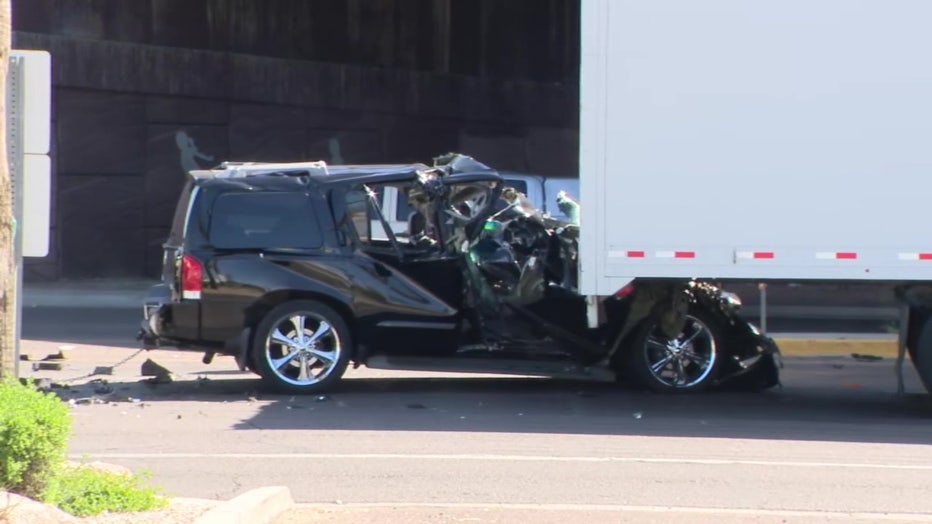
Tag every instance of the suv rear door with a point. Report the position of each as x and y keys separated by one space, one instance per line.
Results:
x=252 y=237
x=181 y=317
x=173 y=248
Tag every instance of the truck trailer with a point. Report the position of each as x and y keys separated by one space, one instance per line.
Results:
x=759 y=141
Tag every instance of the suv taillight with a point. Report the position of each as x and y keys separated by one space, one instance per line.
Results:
x=192 y=277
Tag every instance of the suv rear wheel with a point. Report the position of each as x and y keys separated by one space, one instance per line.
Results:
x=302 y=347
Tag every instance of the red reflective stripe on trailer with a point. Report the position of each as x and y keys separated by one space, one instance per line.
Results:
x=684 y=254
x=846 y=256
x=756 y=255
x=636 y=254
x=915 y=256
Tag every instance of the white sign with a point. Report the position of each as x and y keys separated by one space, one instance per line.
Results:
x=37 y=102
x=29 y=112
x=37 y=191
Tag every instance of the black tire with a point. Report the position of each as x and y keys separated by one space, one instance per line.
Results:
x=921 y=354
x=290 y=350
x=688 y=364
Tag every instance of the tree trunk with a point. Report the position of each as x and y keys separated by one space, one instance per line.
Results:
x=7 y=255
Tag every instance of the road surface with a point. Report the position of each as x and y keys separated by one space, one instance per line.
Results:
x=833 y=444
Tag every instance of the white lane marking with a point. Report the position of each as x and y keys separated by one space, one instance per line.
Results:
x=861 y=515
x=505 y=458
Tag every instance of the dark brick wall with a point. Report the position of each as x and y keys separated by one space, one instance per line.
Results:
x=145 y=89
x=520 y=39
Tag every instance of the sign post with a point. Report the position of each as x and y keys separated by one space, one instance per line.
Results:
x=29 y=117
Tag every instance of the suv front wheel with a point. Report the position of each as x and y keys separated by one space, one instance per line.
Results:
x=687 y=363
x=302 y=347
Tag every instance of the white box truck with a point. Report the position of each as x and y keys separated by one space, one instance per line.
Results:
x=759 y=141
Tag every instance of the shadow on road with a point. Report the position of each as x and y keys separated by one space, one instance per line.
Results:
x=811 y=406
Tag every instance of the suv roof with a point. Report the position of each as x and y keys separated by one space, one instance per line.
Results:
x=309 y=173
x=321 y=173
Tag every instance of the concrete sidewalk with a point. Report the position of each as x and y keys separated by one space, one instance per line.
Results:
x=103 y=293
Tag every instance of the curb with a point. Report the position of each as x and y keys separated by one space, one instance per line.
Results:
x=257 y=506
x=810 y=347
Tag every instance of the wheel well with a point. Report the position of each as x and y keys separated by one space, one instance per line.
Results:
x=618 y=317
x=269 y=301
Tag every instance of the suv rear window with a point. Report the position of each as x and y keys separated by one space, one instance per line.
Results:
x=264 y=221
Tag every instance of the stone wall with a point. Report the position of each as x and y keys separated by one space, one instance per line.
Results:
x=144 y=90
x=522 y=39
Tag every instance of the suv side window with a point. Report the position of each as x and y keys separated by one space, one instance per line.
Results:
x=362 y=214
x=264 y=221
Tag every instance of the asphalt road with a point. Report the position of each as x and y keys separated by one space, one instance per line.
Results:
x=833 y=444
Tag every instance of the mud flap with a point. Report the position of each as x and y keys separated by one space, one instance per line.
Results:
x=239 y=347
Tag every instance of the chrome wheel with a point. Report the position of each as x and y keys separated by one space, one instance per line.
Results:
x=685 y=362
x=302 y=349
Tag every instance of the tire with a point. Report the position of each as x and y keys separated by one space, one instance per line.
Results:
x=921 y=354
x=294 y=355
x=687 y=364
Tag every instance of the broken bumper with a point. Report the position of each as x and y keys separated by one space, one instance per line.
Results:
x=151 y=326
x=759 y=369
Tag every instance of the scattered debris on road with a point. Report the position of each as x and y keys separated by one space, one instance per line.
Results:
x=158 y=373
x=61 y=355
x=102 y=370
x=101 y=386
x=84 y=401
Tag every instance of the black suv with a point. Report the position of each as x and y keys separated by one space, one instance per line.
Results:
x=294 y=270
